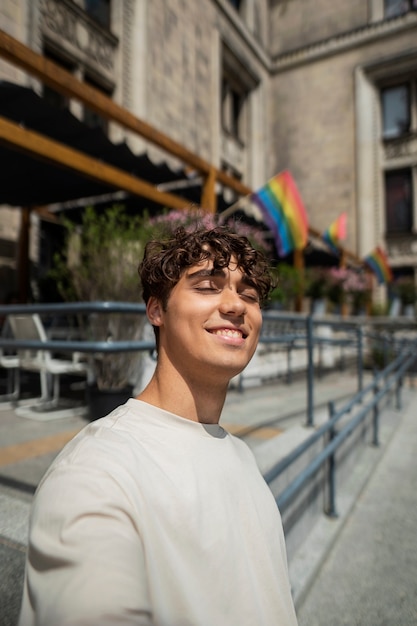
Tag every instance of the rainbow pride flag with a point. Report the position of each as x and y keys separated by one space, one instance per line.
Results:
x=336 y=232
x=282 y=210
x=378 y=263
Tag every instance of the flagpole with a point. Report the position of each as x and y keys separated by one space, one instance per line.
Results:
x=342 y=264
x=299 y=266
x=231 y=209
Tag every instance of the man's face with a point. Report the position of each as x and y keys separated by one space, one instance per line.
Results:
x=212 y=322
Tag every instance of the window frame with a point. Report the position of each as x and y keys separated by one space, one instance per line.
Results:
x=386 y=134
x=233 y=103
x=101 y=14
x=50 y=95
x=391 y=12
x=393 y=225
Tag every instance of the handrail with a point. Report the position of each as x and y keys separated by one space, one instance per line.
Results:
x=106 y=347
x=302 y=337
x=395 y=370
x=69 y=308
x=295 y=454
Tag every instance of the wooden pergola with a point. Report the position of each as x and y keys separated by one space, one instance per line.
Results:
x=39 y=146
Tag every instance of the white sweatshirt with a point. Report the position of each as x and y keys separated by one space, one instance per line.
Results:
x=148 y=518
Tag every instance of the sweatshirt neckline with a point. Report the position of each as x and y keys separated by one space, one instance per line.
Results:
x=177 y=421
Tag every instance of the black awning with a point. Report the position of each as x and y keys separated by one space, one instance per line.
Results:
x=27 y=180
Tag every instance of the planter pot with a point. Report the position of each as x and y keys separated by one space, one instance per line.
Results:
x=395 y=307
x=103 y=401
x=318 y=306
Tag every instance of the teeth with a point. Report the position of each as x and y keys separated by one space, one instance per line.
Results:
x=229 y=332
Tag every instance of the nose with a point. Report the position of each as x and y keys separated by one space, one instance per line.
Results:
x=231 y=303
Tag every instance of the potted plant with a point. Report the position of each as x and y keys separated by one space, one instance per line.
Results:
x=99 y=263
x=336 y=292
x=358 y=287
x=316 y=288
x=289 y=285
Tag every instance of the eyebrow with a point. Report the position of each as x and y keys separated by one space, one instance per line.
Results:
x=204 y=273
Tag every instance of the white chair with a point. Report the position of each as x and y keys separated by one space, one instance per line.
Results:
x=29 y=327
x=11 y=363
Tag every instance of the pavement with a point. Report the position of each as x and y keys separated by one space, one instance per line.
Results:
x=369 y=576
x=358 y=569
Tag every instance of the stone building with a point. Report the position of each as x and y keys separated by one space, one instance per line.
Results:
x=324 y=89
x=345 y=117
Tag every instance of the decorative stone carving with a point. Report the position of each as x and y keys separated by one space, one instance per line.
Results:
x=401 y=147
x=401 y=246
x=69 y=27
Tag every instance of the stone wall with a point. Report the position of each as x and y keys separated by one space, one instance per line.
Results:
x=317 y=128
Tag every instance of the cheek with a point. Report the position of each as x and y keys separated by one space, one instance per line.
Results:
x=189 y=309
x=257 y=321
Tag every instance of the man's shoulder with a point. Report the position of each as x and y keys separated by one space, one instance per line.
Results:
x=108 y=439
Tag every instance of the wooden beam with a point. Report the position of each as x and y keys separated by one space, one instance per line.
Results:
x=208 y=196
x=59 y=79
x=64 y=82
x=40 y=146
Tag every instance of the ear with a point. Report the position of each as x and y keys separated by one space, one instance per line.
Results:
x=154 y=311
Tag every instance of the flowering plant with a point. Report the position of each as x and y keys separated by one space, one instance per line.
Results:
x=346 y=282
x=358 y=285
x=337 y=278
x=167 y=222
x=317 y=282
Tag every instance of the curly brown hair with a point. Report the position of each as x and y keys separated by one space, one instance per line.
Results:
x=165 y=261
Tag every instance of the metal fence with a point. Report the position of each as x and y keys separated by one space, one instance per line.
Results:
x=359 y=339
x=367 y=401
x=388 y=346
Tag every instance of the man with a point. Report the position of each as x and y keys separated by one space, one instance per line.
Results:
x=154 y=514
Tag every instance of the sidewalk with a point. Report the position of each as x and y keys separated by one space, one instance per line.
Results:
x=370 y=576
x=28 y=447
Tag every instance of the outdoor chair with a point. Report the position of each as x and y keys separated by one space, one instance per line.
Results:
x=11 y=363
x=29 y=327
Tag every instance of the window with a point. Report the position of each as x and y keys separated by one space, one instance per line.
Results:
x=393 y=8
x=236 y=4
x=233 y=100
x=398 y=201
x=53 y=97
x=396 y=110
x=90 y=117
x=99 y=10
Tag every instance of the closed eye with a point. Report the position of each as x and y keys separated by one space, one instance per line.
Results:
x=206 y=286
x=250 y=295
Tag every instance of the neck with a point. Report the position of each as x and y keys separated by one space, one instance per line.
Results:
x=191 y=399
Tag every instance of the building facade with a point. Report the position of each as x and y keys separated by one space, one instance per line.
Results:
x=324 y=89
x=345 y=117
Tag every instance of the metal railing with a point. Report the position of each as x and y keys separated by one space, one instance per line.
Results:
x=72 y=309
x=381 y=386
x=396 y=341
x=359 y=336
x=291 y=331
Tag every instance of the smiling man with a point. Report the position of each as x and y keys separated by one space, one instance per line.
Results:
x=155 y=514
